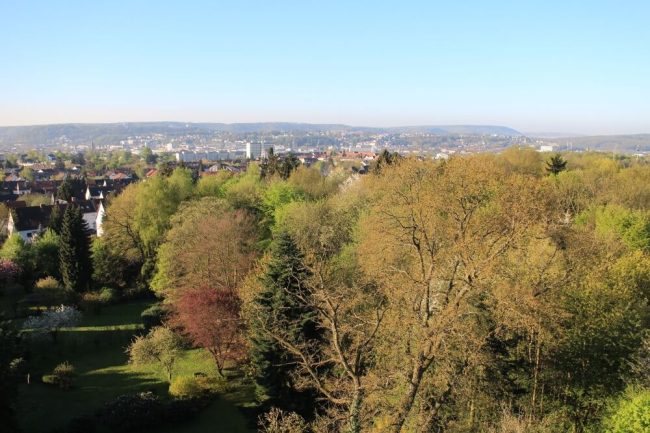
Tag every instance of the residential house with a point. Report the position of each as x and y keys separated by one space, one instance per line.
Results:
x=89 y=210
x=29 y=221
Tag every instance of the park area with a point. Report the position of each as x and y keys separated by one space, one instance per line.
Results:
x=96 y=348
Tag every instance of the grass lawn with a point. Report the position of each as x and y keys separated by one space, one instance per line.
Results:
x=96 y=348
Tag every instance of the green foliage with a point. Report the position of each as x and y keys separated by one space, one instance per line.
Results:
x=276 y=195
x=28 y=174
x=108 y=295
x=631 y=414
x=632 y=227
x=109 y=268
x=18 y=251
x=148 y=156
x=213 y=185
x=50 y=291
x=46 y=254
x=74 y=251
x=153 y=316
x=186 y=387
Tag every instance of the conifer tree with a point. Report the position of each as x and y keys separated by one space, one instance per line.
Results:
x=556 y=164
x=56 y=219
x=279 y=306
x=74 y=251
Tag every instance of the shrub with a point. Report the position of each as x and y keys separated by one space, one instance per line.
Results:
x=212 y=384
x=48 y=283
x=186 y=387
x=61 y=376
x=51 y=292
x=631 y=414
x=152 y=316
x=51 y=321
x=136 y=412
x=107 y=295
x=131 y=412
x=278 y=421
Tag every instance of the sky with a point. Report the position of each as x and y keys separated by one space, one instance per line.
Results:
x=537 y=66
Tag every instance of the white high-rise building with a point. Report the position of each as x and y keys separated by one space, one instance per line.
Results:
x=254 y=150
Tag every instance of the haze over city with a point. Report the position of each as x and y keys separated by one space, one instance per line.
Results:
x=541 y=66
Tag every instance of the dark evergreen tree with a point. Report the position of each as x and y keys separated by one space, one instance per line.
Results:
x=282 y=166
x=556 y=164
x=74 y=251
x=288 y=165
x=70 y=188
x=56 y=219
x=384 y=159
x=279 y=306
x=269 y=165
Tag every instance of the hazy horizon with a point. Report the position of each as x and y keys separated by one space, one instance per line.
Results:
x=543 y=67
x=547 y=134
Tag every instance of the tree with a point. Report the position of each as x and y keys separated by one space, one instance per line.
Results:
x=51 y=321
x=19 y=252
x=631 y=413
x=347 y=314
x=74 y=251
x=69 y=188
x=138 y=219
x=207 y=244
x=109 y=269
x=279 y=305
x=28 y=174
x=56 y=218
x=385 y=158
x=210 y=318
x=556 y=164
x=435 y=241
x=148 y=156
x=59 y=164
x=282 y=166
x=161 y=345
x=46 y=254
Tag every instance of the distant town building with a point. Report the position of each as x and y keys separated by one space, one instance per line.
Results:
x=254 y=150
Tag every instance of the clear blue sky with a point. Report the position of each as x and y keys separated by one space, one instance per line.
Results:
x=572 y=66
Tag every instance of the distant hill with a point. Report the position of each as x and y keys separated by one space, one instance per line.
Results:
x=110 y=133
x=461 y=130
x=612 y=143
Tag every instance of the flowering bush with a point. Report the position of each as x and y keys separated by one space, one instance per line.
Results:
x=51 y=321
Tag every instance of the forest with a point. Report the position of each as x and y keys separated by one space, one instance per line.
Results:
x=498 y=293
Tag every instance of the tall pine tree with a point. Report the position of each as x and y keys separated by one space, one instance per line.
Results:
x=279 y=305
x=74 y=251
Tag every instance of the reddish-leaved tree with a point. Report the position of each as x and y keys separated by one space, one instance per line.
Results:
x=210 y=318
x=9 y=270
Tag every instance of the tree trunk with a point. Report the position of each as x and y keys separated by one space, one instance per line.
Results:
x=354 y=423
x=409 y=398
